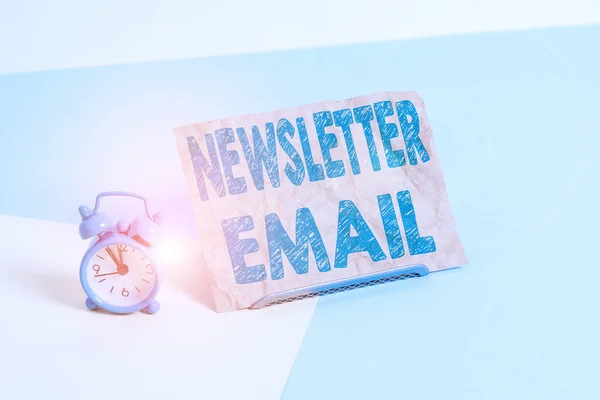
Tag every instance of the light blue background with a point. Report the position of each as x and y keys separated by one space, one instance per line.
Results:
x=515 y=121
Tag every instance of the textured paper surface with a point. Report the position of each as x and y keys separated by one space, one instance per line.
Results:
x=423 y=182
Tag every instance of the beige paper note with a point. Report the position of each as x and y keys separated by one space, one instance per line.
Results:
x=311 y=194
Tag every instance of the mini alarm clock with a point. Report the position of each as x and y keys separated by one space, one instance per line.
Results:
x=117 y=272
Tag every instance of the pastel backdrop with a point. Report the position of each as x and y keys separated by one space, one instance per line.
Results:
x=514 y=120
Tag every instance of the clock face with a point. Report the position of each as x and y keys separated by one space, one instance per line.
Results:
x=121 y=275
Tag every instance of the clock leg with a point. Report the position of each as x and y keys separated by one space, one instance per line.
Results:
x=152 y=307
x=90 y=304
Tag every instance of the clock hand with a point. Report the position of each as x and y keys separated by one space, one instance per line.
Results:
x=114 y=258
x=120 y=254
x=112 y=273
x=121 y=268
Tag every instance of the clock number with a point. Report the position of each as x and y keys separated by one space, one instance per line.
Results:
x=125 y=293
x=121 y=247
x=150 y=269
x=96 y=269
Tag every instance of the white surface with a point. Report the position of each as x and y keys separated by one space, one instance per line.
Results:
x=36 y=35
x=52 y=347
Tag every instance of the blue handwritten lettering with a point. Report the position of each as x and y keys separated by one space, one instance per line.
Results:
x=349 y=217
x=328 y=141
x=202 y=166
x=364 y=116
x=295 y=175
x=416 y=243
x=307 y=234
x=315 y=171
x=239 y=247
x=390 y=225
x=343 y=119
x=261 y=155
x=409 y=124
x=395 y=158
x=229 y=158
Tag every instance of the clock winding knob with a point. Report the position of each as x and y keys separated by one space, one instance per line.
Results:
x=123 y=226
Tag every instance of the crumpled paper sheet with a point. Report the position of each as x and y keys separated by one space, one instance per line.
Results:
x=424 y=181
